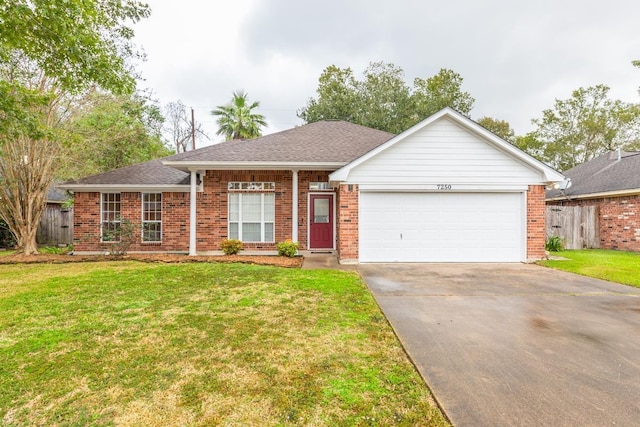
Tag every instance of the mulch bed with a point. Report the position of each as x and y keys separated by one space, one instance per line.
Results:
x=278 y=261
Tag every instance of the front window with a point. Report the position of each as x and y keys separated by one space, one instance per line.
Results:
x=152 y=217
x=252 y=216
x=110 y=215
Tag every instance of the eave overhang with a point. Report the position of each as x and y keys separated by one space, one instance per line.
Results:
x=600 y=195
x=144 y=188
x=188 y=166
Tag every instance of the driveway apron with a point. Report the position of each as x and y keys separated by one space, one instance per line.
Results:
x=516 y=344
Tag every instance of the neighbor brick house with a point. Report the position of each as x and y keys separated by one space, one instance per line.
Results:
x=445 y=190
x=611 y=182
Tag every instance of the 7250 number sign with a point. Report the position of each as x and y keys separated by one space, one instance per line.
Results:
x=443 y=186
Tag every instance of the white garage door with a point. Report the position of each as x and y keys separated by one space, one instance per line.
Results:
x=441 y=227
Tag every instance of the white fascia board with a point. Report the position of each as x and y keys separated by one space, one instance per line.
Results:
x=549 y=174
x=435 y=188
x=617 y=193
x=195 y=165
x=102 y=188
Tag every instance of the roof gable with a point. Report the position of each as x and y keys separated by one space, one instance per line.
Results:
x=448 y=136
x=604 y=174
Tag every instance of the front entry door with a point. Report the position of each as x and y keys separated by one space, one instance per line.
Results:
x=321 y=221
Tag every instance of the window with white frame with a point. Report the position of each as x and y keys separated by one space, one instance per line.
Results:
x=252 y=216
x=152 y=217
x=110 y=217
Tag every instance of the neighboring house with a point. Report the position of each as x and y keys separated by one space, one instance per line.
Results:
x=446 y=190
x=612 y=183
x=56 y=224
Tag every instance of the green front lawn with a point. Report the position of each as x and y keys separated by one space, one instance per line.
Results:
x=127 y=343
x=615 y=266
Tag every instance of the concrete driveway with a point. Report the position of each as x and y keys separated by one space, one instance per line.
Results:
x=515 y=344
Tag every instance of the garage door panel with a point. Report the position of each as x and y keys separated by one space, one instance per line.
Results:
x=441 y=227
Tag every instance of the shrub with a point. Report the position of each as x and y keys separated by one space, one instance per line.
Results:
x=121 y=239
x=56 y=250
x=231 y=246
x=287 y=248
x=554 y=244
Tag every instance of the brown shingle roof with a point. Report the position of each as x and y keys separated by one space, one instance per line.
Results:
x=147 y=173
x=325 y=141
x=603 y=174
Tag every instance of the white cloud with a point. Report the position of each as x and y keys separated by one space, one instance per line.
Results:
x=515 y=57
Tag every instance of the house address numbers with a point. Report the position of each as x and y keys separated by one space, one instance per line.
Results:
x=443 y=186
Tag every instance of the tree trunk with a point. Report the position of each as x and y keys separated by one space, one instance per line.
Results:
x=26 y=169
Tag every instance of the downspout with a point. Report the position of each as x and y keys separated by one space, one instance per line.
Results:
x=294 y=206
x=192 y=215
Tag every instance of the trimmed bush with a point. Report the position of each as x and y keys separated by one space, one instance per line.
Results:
x=287 y=248
x=231 y=246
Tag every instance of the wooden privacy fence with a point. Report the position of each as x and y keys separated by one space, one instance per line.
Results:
x=577 y=226
x=56 y=226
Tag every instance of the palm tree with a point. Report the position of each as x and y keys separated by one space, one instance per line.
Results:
x=236 y=120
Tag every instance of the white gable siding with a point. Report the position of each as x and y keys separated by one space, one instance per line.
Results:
x=443 y=152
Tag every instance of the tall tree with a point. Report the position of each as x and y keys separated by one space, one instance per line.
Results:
x=501 y=128
x=180 y=128
x=382 y=100
x=440 y=91
x=385 y=99
x=584 y=126
x=337 y=97
x=50 y=52
x=237 y=120
x=112 y=131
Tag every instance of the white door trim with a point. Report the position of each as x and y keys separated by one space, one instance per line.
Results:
x=321 y=193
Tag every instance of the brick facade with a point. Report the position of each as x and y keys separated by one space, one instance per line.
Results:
x=347 y=222
x=618 y=220
x=211 y=211
x=536 y=218
x=212 y=215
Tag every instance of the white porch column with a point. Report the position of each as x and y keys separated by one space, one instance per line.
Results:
x=192 y=214
x=294 y=206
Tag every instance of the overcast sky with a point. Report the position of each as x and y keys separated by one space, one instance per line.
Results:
x=516 y=57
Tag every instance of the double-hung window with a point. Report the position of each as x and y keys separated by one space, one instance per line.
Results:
x=252 y=214
x=152 y=217
x=110 y=216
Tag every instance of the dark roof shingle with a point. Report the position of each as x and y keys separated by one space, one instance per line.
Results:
x=603 y=174
x=148 y=173
x=325 y=141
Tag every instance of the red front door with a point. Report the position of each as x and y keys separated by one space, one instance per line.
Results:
x=321 y=221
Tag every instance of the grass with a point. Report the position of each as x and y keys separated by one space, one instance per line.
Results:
x=126 y=343
x=615 y=266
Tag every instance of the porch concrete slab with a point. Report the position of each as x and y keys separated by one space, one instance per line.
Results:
x=323 y=261
x=516 y=344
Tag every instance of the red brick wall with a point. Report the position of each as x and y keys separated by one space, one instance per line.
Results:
x=175 y=210
x=212 y=219
x=536 y=222
x=619 y=220
x=347 y=222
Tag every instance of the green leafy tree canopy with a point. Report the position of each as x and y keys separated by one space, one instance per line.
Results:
x=582 y=127
x=501 y=128
x=382 y=99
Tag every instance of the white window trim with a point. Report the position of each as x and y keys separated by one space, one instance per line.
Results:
x=240 y=222
x=117 y=219
x=151 y=222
